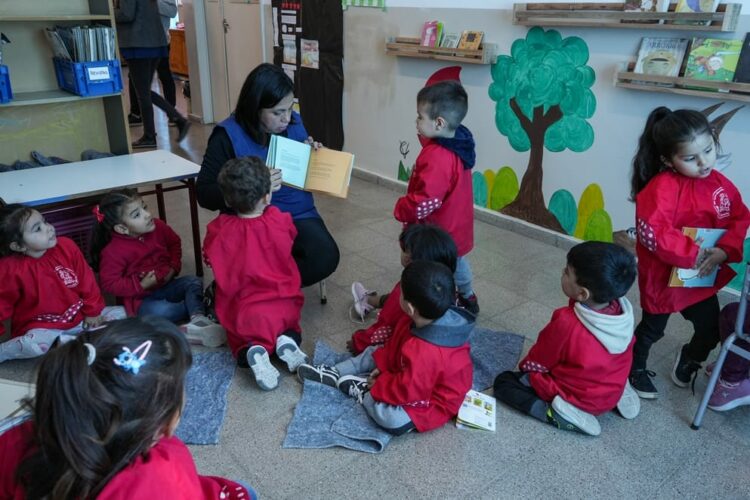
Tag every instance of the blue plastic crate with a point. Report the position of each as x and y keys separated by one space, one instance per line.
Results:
x=6 y=93
x=88 y=78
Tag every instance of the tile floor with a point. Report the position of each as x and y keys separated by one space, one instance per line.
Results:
x=517 y=279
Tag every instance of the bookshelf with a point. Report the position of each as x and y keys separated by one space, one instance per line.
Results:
x=612 y=16
x=402 y=46
x=41 y=116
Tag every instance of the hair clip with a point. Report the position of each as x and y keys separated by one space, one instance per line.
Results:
x=133 y=360
x=98 y=214
x=91 y=356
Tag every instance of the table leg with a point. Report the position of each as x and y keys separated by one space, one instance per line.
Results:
x=160 y=202
x=195 y=227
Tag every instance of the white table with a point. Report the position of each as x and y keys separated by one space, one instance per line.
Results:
x=67 y=182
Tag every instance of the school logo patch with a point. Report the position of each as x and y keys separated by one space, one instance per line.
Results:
x=68 y=277
x=722 y=205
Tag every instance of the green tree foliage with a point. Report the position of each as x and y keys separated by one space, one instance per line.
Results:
x=504 y=188
x=598 y=227
x=479 y=183
x=563 y=206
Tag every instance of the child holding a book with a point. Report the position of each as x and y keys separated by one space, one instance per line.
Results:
x=258 y=296
x=419 y=378
x=674 y=185
x=440 y=188
x=579 y=365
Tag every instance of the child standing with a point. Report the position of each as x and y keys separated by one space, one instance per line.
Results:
x=419 y=378
x=579 y=365
x=418 y=242
x=258 y=296
x=92 y=436
x=674 y=185
x=139 y=258
x=440 y=187
x=47 y=289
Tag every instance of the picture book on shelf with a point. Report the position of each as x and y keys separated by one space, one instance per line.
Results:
x=323 y=170
x=695 y=6
x=645 y=6
x=450 y=40
x=688 y=278
x=470 y=40
x=478 y=411
x=661 y=56
x=432 y=32
x=742 y=74
x=713 y=59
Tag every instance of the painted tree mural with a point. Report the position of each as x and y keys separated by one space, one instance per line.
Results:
x=543 y=94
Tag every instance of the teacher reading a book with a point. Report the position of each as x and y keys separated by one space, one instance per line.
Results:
x=264 y=108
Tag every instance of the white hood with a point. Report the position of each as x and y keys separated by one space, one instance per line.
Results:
x=614 y=332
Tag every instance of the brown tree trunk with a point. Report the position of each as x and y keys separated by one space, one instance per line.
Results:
x=529 y=204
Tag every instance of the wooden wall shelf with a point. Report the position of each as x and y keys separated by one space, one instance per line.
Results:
x=402 y=46
x=731 y=91
x=612 y=16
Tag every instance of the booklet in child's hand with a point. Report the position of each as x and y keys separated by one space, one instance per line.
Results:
x=477 y=412
x=688 y=278
x=324 y=170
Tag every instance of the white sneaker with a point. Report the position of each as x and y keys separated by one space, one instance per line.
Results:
x=266 y=376
x=629 y=404
x=202 y=330
x=289 y=352
x=360 y=294
x=572 y=418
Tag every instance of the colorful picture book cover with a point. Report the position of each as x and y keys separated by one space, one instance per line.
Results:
x=477 y=412
x=742 y=74
x=688 y=278
x=470 y=40
x=713 y=59
x=694 y=7
x=645 y=6
x=661 y=56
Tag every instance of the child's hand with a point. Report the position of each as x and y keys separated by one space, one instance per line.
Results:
x=91 y=322
x=371 y=378
x=148 y=280
x=275 y=179
x=350 y=346
x=312 y=142
x=708 y=259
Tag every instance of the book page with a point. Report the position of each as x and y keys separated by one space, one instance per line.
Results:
x=688 y=278
x=330 y=172
x=292 y=158
x=10 y=395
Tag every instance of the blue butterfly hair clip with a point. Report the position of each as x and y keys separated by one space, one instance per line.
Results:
x=131 y=361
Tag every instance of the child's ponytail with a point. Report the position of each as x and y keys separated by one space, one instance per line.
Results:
x=108 y=213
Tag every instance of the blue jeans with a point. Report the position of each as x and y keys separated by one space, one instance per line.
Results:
x=179 y=299
x=463 y=277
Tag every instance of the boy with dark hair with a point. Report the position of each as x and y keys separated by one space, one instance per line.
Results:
x=419 y=378
x=440 y=188
x=580 y=363
x=258 y=296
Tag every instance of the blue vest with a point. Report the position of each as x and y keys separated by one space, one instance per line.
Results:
x=298 y=203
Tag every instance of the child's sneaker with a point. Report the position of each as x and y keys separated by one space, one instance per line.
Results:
x=354 y=386
x=629 y=404
x=289 y=352
x=266 y=376
x=324 y=374
x=360 y=294
x=469 y=303
x=684 y=369
x=728 y=395
x=202 y=330
x=640 y=380
x=564 y=415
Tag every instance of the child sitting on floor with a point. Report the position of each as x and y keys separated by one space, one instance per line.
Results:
x=419 y=378
x=103 y=420
x=579 y=365
x=418 y=242
x=258 y=296
x=139 y=258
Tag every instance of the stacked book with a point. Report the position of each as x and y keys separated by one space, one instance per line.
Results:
x=82 y=43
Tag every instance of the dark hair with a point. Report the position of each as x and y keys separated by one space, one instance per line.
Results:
x=429 y=242
x=665 y=131
x=12 y=219
x=264 y=88
x=429 y=287
x=447 y=99
x=91 y=421
x=243 y=182
x=606 y=269
x=111 y=207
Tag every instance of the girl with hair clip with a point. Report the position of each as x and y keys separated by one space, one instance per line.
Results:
x=139 y=257
x=103 y=420
x=47 y=289
x=675 y=185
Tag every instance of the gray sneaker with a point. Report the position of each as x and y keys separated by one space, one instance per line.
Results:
x=289 y=352
x=265 y=374
x=629 y=404
x=564 y=415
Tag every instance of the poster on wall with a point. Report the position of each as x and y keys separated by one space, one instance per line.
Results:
x=309 y=46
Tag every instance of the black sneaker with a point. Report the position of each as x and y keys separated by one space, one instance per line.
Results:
x=354 y=386
x=183 y=126
x=567 y=417
x=469 y=303
x=324 y=374
x=145 y=142
x=134 y=120
x=685 y=369
x=640 y=380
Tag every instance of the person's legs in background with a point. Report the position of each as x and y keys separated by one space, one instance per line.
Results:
x=314 y=250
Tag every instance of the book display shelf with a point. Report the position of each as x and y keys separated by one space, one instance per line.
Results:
x=402 y=46
x=41 y=116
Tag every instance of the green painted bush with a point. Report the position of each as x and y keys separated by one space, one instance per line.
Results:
x=563 y=206
x=598 y=227
x=591 y=200
x=504 y=188
x=479 y=184
x=740 y=268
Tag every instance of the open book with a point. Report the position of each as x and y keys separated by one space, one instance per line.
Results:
x=325 y=170
x=11 y=411
x=688 y=278
x=477 y=412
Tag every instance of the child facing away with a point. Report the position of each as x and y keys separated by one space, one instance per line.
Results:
x=419 y=378
x=675 y=185
x=440 y=188
x=258 y=296
x=579 y=365
x=139 y=258
x=418 y=242
x=47 y=289
x=103 y=420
